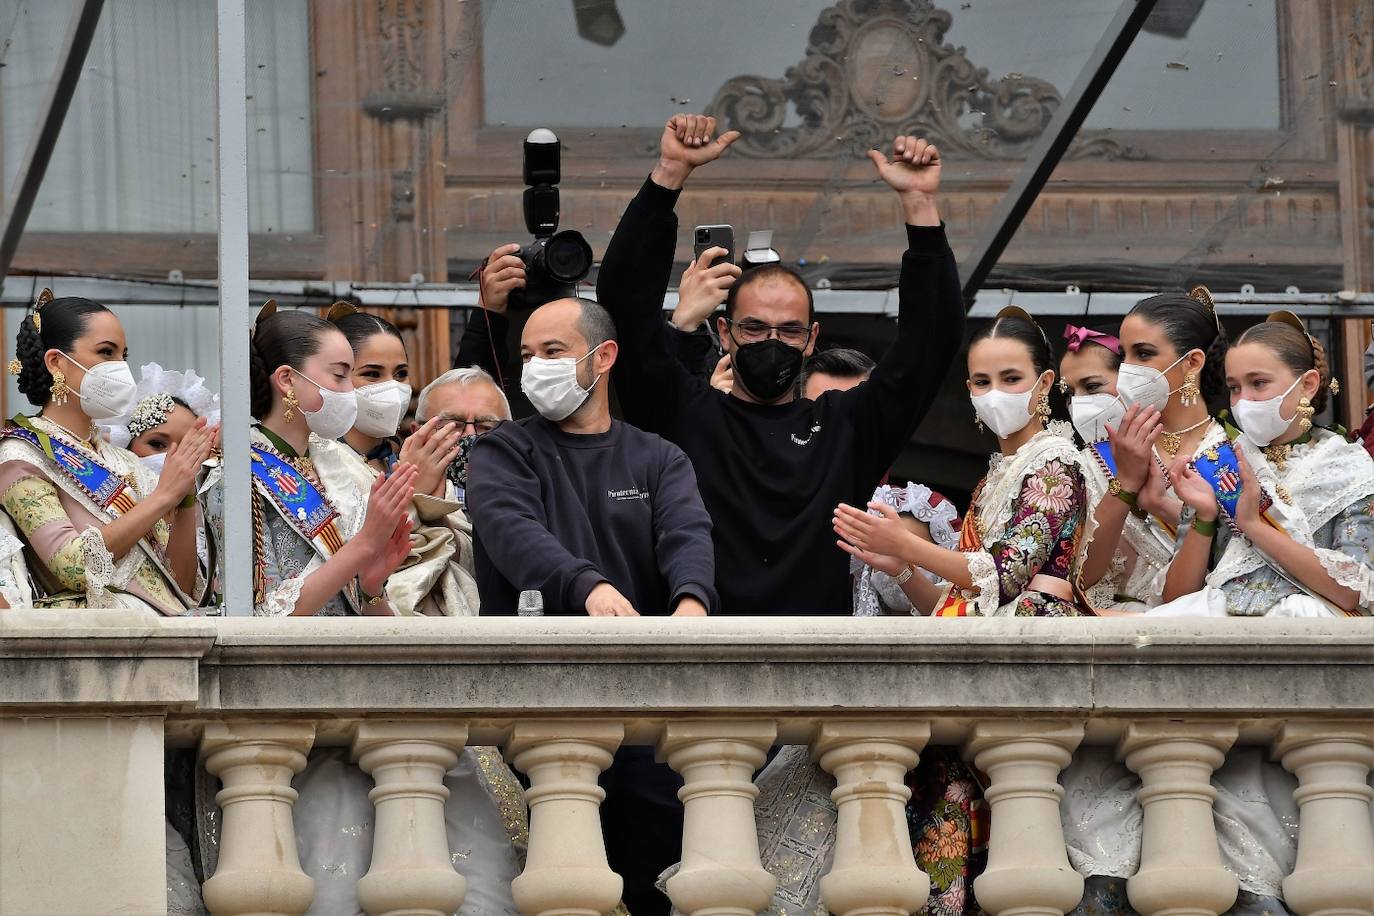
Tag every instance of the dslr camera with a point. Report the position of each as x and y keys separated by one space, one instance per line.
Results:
x=555 y=261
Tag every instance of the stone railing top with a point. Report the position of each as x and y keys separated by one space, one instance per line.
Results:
x=798 y=670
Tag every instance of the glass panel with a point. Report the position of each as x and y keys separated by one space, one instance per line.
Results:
x=1227 y=177
x=136 y=153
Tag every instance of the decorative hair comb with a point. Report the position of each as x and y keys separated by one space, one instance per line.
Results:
x=1284 y=316
x=269 y=308
x=1015 y=311
x=340 y=310
x=1203 y=295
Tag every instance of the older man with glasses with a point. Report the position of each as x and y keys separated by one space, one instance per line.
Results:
x=468 y=397
x=772 y=466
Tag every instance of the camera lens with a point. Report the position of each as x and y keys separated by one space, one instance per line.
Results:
x=567 y=257
x=703 y=235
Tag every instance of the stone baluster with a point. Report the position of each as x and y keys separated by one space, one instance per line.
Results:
x=1334 y=875
x=259 y=872
x=1028 y=871
x=411 y=872
x=875 y=872
x=721 y=873
x=1180 y=864
x=566 y=873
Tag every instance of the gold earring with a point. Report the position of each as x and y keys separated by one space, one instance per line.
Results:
x=1189 y=394
x=292 y=403
x=1305 y=410
x=978 y=422
x=59 y=388
x=1043 y=408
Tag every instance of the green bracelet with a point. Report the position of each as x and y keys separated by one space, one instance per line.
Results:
x=1205 y=528
x=1127 y=497
x=189 y=502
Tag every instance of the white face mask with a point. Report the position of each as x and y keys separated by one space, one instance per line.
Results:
x=551 y=385
x=336 y=415
x=107 y=390
x=1092 y=412
x=1144 y=385
x=381 y=407
x=1262 y=421
x=1006 y=413
x=154 y=463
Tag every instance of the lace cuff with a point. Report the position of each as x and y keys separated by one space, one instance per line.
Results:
x=281 y=601
x=102 y=572
x=986 y=593
x=1349 y=572
x=9 y=545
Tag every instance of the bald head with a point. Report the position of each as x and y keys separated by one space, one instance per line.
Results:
x=579 y=324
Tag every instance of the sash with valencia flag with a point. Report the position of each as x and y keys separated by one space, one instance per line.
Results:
x=297 y=500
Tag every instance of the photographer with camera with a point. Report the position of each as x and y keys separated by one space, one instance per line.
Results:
x=772 y=466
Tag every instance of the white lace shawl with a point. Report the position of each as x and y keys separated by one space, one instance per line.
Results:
x=1323 y=477
x=1145 y=538
x=997 y=503
x=346 y=482
x=874 y=589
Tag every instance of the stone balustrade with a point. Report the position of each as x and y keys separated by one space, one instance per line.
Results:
x=90 y=699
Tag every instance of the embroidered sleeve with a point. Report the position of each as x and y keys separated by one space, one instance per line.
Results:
x=33 y=504
x=1348 y=559
x=1048 y=511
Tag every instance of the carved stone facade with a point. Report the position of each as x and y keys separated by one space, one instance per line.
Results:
x=1352 y=22
x=379 y=142
x=877 y=69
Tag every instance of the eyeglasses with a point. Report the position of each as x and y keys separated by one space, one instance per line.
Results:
x=480 y=425
x=751 y=330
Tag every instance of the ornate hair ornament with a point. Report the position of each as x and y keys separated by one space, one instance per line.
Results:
x=15 y=367
x=1077 y=336
x=1283 y=316
x=43 y=299
x=1203 y=295
x=150 y=413
x=340 y=310
x=269 y=308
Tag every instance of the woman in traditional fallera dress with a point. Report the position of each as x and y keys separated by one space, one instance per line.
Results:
x=305 y=481
x=1298 y=538
x=1019 y=539
x=98 y=529
x=437 y=577
x=168 y=403
x=1125 y=550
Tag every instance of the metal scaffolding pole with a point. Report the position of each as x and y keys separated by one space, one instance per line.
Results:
x=1050 y=148
x=35 y=164
x=232 y=174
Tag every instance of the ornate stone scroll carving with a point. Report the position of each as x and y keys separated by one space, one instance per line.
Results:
x=878 y=68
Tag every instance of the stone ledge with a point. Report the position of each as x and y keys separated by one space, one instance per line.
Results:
x=500 y=669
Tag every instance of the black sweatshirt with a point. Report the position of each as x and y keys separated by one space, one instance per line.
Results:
x=560 y=513
x=771 y=476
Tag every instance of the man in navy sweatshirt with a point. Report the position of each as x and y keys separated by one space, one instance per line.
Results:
x=604 y=519
x=773 y=467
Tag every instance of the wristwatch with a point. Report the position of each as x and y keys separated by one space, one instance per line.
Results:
x=905 y=575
